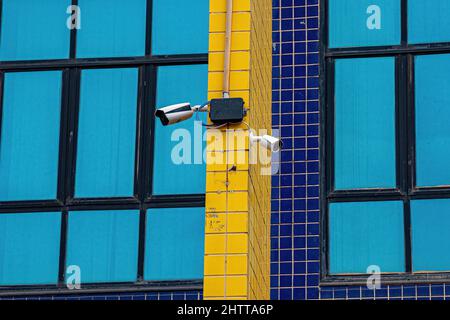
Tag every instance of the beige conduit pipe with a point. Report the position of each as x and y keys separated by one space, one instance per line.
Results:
x=227 y=55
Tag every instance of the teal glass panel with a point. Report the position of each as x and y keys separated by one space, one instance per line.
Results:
x=180 y=27
x=104 y=244
x=29 y=248
x=174 y=244
x=365 y=123
x=432 y=89
x=364 y=234
x=106 y=133
x=111 y=29
x=428 y=21
x=430 y=222
x=185 y=172
x=30 y=136
x=364 y=23
x=34 y=30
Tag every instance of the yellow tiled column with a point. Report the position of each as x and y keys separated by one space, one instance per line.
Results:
x=238 y=195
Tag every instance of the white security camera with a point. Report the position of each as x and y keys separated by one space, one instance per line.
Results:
x=268 y=142
x=178 y=112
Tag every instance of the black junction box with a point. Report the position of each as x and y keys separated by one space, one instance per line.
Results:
x=226 y=110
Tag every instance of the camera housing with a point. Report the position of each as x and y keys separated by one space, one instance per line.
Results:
x=269 y=142
x=175 y=113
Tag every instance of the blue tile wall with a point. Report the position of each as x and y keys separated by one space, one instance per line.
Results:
x=295 y=253
x=176 y=295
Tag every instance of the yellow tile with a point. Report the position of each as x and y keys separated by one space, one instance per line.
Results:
x=239 y=80
x=237 y=264
x=217 y=6
x=237 y=243
x=215 y=94
x=215 y=298
x=221 y=5
x=244 y=94
x=238 y=159
x=240 y=60
x=215 y=81
x=214 y=265
x=216 y=223
x=217 y=42
x=216 y=181
x=240 y=22
x=216 y=202
x=239 y=41
x=216 y=161
x=217 y=22
x=213 y=286
x=236 y=286
x=238 y=181
x=237 y=222
x=237 y=139
x=237 y=201
x=215 y=61
x=215 y=244
x=241 y=5
x=216 y=140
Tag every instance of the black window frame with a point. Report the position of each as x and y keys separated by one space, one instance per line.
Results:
x=406 y=189
x=142 y=198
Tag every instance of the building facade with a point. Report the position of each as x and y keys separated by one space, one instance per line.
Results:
x=355 y=209
x=359 y=95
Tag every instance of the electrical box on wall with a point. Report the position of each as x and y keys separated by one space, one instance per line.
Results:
x=226 y=110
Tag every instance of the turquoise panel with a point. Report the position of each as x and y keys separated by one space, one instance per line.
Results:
x=106 y=133
x=111 y=29
x=104 y=244
x=432 y=73
x=29 y=248
x=364 y=23
x=30 y=136
x=180 y=27
x=428 y=21
x=34 y=30
x=363 y=234
x=365 y=123
x=174 y=245
x=430 y=222
x=185 y=172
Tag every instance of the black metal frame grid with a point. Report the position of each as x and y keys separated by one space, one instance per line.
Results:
x=406 y=189
x=142 y=198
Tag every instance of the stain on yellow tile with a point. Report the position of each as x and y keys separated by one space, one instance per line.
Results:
x=238 y=159
x=216 y=181
x=216 y=223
